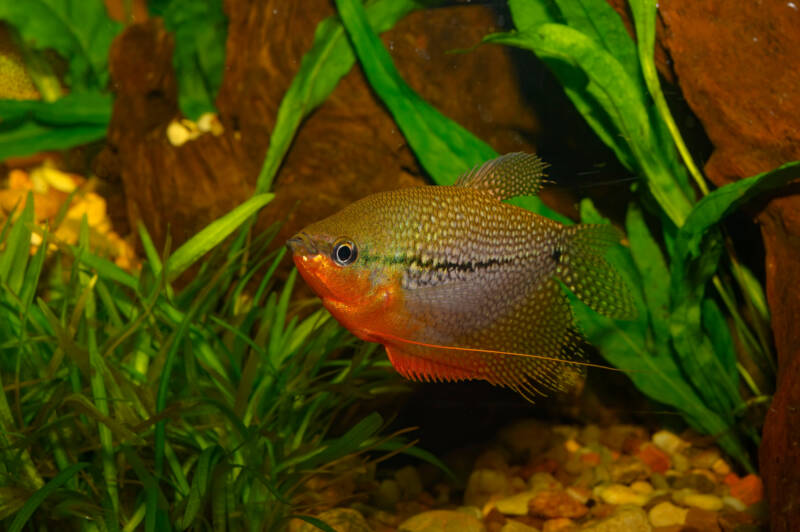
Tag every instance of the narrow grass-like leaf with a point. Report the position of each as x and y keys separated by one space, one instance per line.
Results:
x=45 y=491
x=328 y=60
x=14 y=259
x=213 y=234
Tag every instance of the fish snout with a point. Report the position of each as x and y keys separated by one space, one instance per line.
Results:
x=301 y=244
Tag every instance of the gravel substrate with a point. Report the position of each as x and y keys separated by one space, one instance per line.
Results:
x=541 y=478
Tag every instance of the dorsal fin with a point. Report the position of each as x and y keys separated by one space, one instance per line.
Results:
x=507 y=176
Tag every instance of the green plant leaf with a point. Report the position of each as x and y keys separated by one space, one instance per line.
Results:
x=723 y=201
x=213 y=234
x=28 y=127
x=200 y=28
x=14 y=258
x=79 y=30
x=444 y=148
x=45 y=491
x=597 y=20
x=328 y=60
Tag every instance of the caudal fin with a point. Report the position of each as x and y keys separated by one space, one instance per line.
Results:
x=582 y=267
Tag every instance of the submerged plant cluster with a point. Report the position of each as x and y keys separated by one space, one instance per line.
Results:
x=131 y=402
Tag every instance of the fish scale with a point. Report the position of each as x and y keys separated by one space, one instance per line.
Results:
x=458 y=285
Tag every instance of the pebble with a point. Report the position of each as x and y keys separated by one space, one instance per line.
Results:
x=340 y=519
x=734 y=503
x=559 y=524
x=387 y=495
x=543 y=481
x=483 y=484
x=695 y=481
x=643 y=487
x=705 y=520
x=628 y=469
x=749 y=489
x=680 y=462
x=627 y=518
x=621 y=494
x=703 y=501
x=704 y=458
x=669 y=442
x=721 y=467
x=516 y=504
x=442 y=521
x=556 y=504
x=515 y=526
x=409 y=482
x=656 y=459
x=667 y=514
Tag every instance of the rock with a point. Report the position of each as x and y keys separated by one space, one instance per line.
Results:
x=659 y=481
x=669 y=442
x=493 y=458
x=656 y=459
x=721 y=467
x=527 y=436
x=620 y=494
x=482 y=484
x=628 y=469
x=703 y=501
x=387 y=495
x=614 y=436
x=516 y=504
x=734 y=503
x=442 y=521
x=409 y=482
x=704 y=458
x=627 y=518
x=667 y=514
x=640 y=486
x=705 y=520
x=556 y=504
x=340 y=519
x=560 y=524
x=543 y=482
x=696 y=482
x=749 y=489
x=680 y=462
x=589 y=435
x=474 y=511
x=515 y=526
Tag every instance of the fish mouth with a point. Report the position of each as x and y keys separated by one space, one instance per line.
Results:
x=301 y=244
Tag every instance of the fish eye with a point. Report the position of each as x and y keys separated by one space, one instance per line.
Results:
x=344 y=252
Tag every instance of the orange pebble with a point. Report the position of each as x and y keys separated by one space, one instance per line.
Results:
x=590 y=458
x=731 y=479
x=655 y=458
x=749 y=489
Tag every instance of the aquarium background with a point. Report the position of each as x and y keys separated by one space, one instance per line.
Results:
x=158 y=370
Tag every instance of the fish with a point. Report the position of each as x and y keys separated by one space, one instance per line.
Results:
x=458 y=285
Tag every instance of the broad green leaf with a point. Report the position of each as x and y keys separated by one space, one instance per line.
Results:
x=79 y=30
x=27 y=138
x=80 y=108
x=613 y=104
x=528 y=14
x=719 y=333
x=200 y=28
x=597 y=20
x=445 y=149
x=328 y=60
x=720 y=203
x=652 y=268
x=213 y=234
